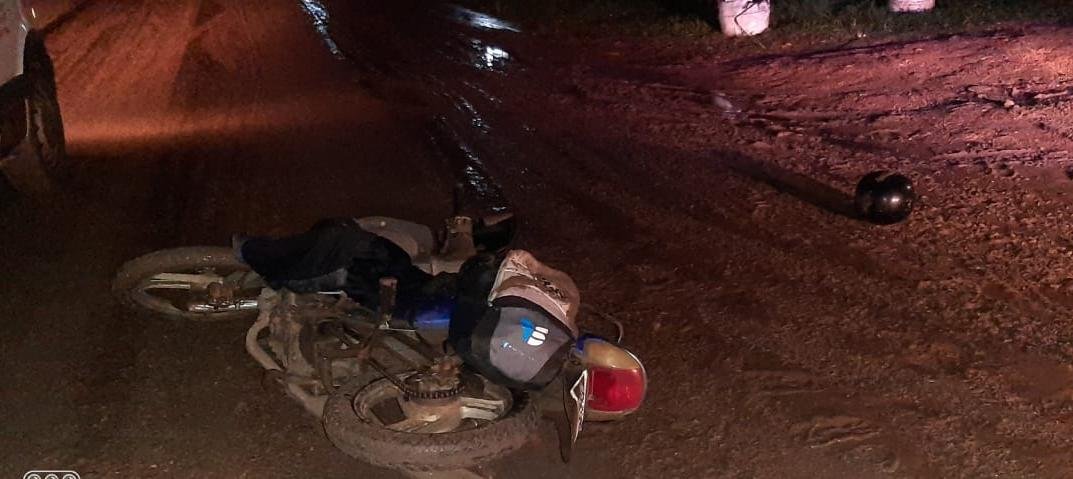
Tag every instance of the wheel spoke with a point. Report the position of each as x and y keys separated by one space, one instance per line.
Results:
x=180 y=281
x=442 y=424
x=484 y=409
x=411 y=424
x=192 y=283
x=166 y=285
x=462 y=412
x=244 y=304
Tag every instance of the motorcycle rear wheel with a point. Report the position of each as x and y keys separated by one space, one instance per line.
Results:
x=409 y=451
x=135 y=279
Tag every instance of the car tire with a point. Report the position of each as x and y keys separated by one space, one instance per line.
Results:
x=40 y=158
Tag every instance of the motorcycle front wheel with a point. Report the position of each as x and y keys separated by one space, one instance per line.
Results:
x=202 y=283
x=369 y=419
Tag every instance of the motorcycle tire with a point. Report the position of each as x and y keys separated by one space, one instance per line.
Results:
x=424 y=452
x=131 y=275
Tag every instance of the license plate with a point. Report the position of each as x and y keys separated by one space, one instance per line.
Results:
x=575 y=397
x=579 y=393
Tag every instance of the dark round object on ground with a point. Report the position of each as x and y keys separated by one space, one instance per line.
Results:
x=884 y=198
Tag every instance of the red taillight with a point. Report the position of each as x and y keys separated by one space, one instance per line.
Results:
x=616 y=390
x=617 y=379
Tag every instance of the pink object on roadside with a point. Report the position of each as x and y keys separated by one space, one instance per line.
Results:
x=906 y=6
x=744 y=17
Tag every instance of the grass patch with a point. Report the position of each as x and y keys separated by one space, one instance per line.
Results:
x=873 y=18
x=790 y=18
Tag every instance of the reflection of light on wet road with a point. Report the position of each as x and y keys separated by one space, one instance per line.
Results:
x=486 y=189
x=484 y=93
x=480 y=20
x=465 y=160
x=475 y=118
x=316 y=10
x=495 y=55
x=489 y=57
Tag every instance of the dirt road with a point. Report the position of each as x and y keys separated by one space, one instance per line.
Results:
x=697 y=196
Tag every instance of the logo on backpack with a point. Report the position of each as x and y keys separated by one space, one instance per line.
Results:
x=533 y=335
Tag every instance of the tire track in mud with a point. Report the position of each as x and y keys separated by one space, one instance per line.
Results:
x=841 y=308
x=478 y=138
x=1030 y=309
x=663 y=200
x=126 y=377
x=77 y=320
x=911 y=324
x=866 y=264
x=97 y=393
x=618 y=228
x=734 y=165
x=677 y=240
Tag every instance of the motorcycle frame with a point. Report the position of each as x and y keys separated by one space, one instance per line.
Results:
x=313 y=390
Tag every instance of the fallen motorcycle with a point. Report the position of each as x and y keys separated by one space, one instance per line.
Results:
x=394 y=388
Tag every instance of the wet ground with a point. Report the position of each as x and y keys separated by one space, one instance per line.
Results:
x=697 y=195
